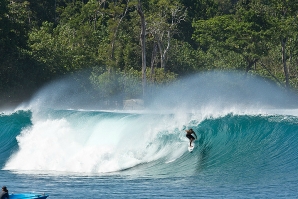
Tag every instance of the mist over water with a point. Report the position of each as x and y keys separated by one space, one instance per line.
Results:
x=220 y=90
x=65 y=136
x=215 y=90
x=65 y=139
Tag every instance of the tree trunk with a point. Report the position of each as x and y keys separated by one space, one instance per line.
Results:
x=163 y=52
x=116 y=31
x=153 y=58
x=162 y=59
x=272 y=75
x=284 y=61
x=250 y=64
x=143 y=46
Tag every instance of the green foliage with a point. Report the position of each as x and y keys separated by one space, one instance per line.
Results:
x=225 y=60
x=184 y=59
x=131 y=80
x=245 y=33
x=13 y=43
x=63 y=49
x=5 y=26
x=40 y=40
x=107 y=83
x=128 y=82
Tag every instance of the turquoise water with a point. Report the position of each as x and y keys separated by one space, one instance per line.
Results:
x=94 y=154
x=62 y=144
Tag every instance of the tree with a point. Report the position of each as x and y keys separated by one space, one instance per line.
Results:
x=245 y=33
x=13 y=45
x=162 y=25
x=197 y=10
x=42 y=11
x=283 y=15
x=143 y=45
x=5 y=26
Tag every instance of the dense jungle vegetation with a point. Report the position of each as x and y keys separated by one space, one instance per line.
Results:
x=121 y=44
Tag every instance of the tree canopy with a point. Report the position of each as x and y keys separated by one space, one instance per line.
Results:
x=41 y=41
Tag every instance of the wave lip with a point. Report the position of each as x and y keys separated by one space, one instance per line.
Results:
x=93 y=142
x=87 y=142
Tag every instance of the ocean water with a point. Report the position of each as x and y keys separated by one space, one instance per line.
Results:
x=246 y=148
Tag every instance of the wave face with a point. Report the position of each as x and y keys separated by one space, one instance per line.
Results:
x=10 y=126
x=92 y=142
x=247 y=130
x=252 y=145
x=96 y=142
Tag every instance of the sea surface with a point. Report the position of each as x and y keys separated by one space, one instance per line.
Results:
x=245 y=149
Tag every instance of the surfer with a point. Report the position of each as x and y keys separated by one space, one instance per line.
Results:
x=4 y=194
x=189 y=135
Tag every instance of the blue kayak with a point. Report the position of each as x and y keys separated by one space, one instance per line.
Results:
x=27 y=196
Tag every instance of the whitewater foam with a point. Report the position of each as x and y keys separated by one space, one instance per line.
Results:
x=92 y=142
x=61 y=138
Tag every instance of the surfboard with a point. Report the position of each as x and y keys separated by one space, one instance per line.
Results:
x=190 y=148
x=28 y=196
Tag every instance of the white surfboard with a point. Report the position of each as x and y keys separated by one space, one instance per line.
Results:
x=190 y=148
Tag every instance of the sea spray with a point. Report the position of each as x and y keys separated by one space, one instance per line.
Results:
x=92 y=142
x=85 y=141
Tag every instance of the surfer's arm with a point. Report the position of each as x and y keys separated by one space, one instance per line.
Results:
x=195 y=135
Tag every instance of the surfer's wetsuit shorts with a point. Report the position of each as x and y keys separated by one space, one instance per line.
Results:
x=190 y=136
